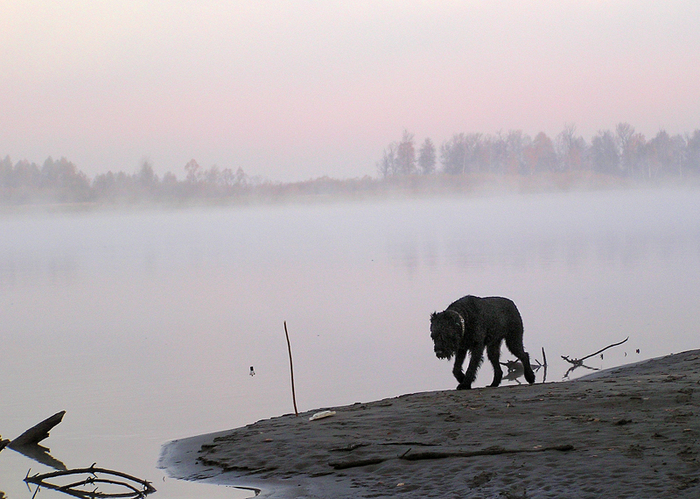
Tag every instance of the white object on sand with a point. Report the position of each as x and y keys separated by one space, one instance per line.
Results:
x=321 y=415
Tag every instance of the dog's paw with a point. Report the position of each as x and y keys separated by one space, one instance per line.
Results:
x=464 y=386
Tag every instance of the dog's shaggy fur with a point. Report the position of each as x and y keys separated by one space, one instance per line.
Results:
x=471 y=324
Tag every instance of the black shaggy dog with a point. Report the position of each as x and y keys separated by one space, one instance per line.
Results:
x=471 y=324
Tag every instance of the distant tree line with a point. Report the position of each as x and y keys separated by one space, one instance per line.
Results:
x=623 y=152
x=60 y=181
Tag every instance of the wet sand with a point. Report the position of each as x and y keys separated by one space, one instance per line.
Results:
x=630 y=431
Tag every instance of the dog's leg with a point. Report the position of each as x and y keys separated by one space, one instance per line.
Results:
x=457 y=369
x=515 y=345
x=493 y=351
x=477 y=355
x=529 y=373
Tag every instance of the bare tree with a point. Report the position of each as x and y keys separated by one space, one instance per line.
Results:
x=570 y=148
x=427 y=157
x=406 y=155
x=147 y=178
x=194 y=171
x=632 y=149
x=459 y=154
x=540 y=155
x=516 y=143
x=604 y=153
x=660 y=154
x=692 y=155
x=387 y=166
x=624 y=134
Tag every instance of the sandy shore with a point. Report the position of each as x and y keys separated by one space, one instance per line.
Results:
x=630 y=431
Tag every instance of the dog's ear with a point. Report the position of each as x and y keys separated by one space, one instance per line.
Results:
x=432 y=316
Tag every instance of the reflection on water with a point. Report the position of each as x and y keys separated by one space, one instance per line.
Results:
x=143 y=326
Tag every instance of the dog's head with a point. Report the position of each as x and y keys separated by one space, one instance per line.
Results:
x=446 y=333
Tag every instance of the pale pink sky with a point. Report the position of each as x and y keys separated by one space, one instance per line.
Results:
x=293 y=90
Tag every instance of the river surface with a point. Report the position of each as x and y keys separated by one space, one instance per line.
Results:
x=143 y=325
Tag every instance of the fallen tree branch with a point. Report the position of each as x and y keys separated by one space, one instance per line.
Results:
x=604 y=349
x=576 y=363
x=140 y=490
x=37 y=433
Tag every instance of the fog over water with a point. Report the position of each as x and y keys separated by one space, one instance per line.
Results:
x=143 y=325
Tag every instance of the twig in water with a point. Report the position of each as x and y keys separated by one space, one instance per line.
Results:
x=89 y=479
x=291 y=369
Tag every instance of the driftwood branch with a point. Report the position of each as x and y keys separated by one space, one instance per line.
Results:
x=37 y=433
x=134 y=487
x=28 y=442
x=576 y=363
x=604 y=349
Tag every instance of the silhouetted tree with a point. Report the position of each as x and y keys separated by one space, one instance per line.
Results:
x=240 y=178
x=540 y=155
x=511 y=152
x=571 y=149
x=632 y=149
x=604 y=153
x=660 y=154
x=406 y=155
x=212 y=176
x=427 y=157
x=624 y=136
x=62 y=181
x=459 y=154
x=493 y=154
x=388 y=164
x=194 y=171
x=692 y=155
x=147 y=178
x=104 y=187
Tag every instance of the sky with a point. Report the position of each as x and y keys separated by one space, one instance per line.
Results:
x=293 y=90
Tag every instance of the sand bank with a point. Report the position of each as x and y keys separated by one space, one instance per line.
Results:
x=630 y=431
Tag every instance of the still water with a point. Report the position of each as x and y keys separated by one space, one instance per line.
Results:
x=143 y=325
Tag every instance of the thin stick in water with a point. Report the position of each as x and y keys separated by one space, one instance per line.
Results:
x=291 y=369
